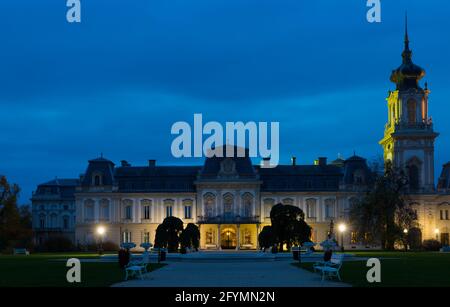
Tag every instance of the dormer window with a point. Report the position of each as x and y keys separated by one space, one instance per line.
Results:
x=97 y=179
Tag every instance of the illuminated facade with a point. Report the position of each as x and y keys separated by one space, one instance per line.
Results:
x=230 y=198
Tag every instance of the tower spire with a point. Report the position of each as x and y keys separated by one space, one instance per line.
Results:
x=406 y=32
x=407 y=53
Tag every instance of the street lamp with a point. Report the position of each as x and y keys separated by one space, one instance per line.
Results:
x=436 y=231
x=101 y=232
x=342 y=228
x=405 y=232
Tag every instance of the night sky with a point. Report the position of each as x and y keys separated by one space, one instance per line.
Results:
x=116 y=83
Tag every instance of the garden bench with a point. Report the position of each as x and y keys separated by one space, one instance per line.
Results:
x=21 y=251
x=135 y=269
x=330 y=268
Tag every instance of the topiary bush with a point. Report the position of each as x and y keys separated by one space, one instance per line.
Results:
x=431 y=245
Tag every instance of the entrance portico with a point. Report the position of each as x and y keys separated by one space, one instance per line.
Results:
x=229 y=236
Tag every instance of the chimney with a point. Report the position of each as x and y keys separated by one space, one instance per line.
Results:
x=294 y=161
x=322 y=161
x=151 y=163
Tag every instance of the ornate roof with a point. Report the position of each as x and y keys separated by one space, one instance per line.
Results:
x=407 y=75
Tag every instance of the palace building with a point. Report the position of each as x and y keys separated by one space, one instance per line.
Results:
x=230 y=198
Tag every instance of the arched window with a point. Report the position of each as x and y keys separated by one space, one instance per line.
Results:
x=209 y=202
x=311 y=207
x=413 y=177
x=228 y=203
x=89 y=210
x=412 y=111
x=248 y=204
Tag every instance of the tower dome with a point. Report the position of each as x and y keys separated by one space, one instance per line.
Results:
x=408 y=75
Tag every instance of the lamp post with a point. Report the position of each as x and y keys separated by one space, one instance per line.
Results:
x=405 y=232
x=101 y=232
x=436 y=232
x=342 y=228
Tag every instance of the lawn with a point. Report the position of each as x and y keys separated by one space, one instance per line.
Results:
x=49 y=270
x=398 y=269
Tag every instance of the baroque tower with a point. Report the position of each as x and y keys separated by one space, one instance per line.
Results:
x=408 y=140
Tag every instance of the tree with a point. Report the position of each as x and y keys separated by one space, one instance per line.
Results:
x=190 y=237
x=382 y=214
x=167 y=233
x=15 y=222
x=289 y=226
x=161 y=236
x=265 y=237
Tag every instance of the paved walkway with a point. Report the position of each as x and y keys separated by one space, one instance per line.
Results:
x=231 y=274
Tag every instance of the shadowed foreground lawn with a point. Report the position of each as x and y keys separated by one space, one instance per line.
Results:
x=398 y=269
x=46 y=270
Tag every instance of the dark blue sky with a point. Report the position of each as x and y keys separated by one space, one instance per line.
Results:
x=117 y=82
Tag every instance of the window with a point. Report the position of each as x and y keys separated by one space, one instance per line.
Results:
x=446 y=215
x=209 y=201
x=169 y=211
x=128 y=212
x=412 y=111
x=89 y=210
x=168 y=204
x=311 y=208
x=42 y=221
x=146 y=207
x=329 y=208
x=228 y=201
x=97 y=180
x=248 y=204
x=104 y=209
x=442 y=214
x=187 y=212
x=126 y=236
x=413 y=177
x=147 y=212
x=66 y=222
x=146 y=238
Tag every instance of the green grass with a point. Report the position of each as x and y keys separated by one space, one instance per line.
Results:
x=398 y=269
x=47 y=270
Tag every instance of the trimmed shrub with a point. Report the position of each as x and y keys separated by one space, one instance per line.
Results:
x=431 y=245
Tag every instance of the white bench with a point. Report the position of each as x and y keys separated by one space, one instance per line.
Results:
x=135 y=269
x=21 y=251
x=330 y=268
